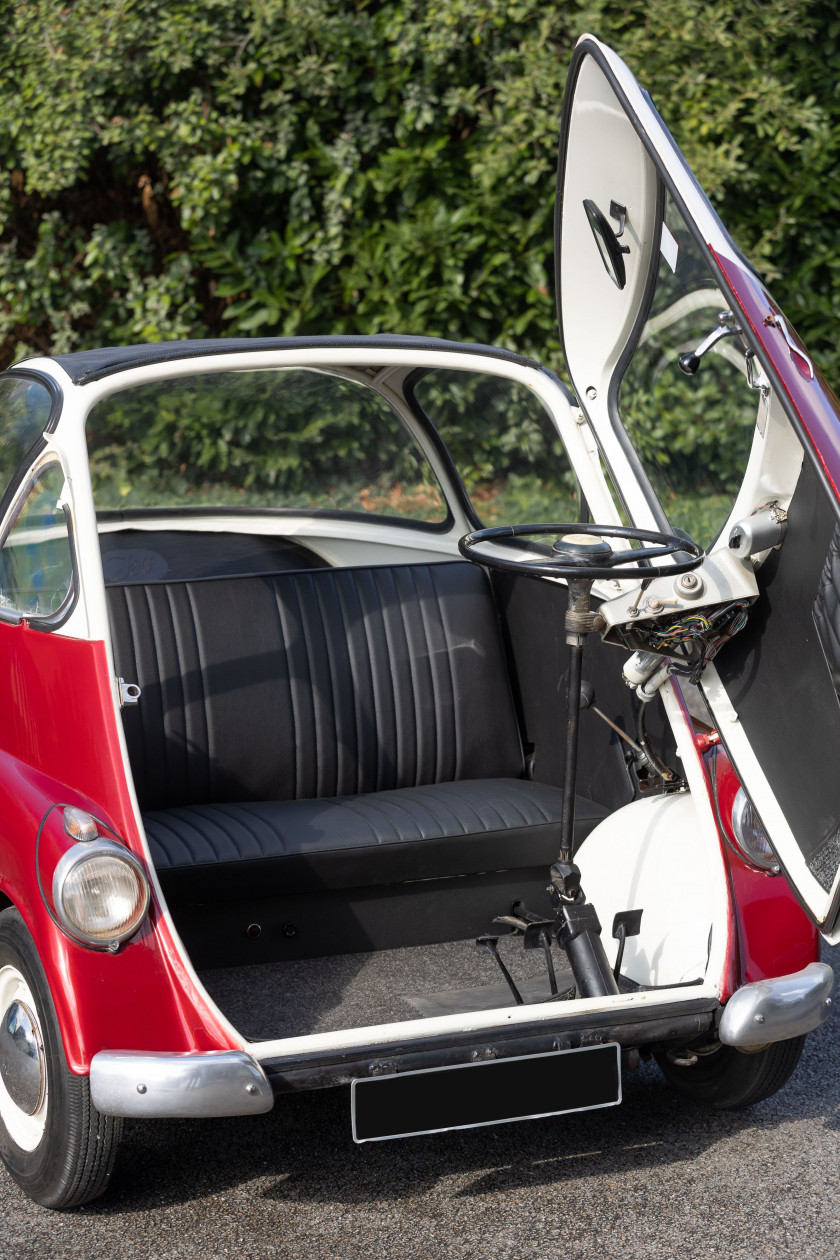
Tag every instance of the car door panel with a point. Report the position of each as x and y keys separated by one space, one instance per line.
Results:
x=772 y=689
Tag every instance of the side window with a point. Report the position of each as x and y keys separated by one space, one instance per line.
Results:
x=36 y=559
x=504 y=444
x=24 y=411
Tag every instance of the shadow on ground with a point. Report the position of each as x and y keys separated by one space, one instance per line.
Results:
x=303 y=1151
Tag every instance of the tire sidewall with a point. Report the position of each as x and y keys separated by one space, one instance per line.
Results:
x=38 y=1170
x=730 y=1079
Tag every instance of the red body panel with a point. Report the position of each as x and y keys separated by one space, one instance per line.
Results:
x=769 y=932
x=812 y=399
x=730 y=978
x=59 y=743
x=775 y=936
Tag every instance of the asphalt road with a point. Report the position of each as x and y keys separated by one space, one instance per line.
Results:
x=657 y=1177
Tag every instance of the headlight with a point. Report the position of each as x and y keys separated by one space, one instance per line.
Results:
x=751 y=836
x=100 y=892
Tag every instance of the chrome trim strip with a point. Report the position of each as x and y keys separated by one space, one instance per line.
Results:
x=159 y=1086
x=779 y=1008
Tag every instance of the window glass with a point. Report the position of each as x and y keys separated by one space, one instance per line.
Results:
x=504 y=444
x=692 y=433
x=36 y=563
x=24 y=411
x=288 y=439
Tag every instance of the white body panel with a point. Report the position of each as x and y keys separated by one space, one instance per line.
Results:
x=672 y=882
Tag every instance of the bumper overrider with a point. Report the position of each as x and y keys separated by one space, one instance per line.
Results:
x=777 y=1009
x=219 y=1083
x=235 y=1083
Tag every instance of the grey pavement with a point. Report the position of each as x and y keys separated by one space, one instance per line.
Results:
x=657 y=1177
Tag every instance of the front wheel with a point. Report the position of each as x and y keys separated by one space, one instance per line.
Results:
x=53 y=1141
x=729 y=1080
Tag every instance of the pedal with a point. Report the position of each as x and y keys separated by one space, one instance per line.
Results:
x=625 y=924
x=490 y=943
x=537 y=933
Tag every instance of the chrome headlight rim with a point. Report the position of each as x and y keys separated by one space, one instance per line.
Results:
x=742 y=807
x=85 y=851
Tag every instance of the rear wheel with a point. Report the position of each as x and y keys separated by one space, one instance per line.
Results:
x=53 y=1141
x=729 y=1080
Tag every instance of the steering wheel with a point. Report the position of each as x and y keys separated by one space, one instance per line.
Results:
x=580 y=551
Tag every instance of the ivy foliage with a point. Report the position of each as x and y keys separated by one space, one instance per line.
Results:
x=182 y=168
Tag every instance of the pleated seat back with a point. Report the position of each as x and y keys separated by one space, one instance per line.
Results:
x=313 y=684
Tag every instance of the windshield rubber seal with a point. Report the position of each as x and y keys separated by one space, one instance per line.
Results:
x=172 y=351
x=441 y=449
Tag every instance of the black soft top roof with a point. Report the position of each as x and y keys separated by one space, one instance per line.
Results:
x=87 y=366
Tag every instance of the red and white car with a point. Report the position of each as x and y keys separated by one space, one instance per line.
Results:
x=276 y=753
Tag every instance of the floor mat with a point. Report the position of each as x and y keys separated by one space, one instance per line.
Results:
x=357 y=990
x=490 y=996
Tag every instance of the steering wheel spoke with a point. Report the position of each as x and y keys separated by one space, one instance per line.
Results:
x=639 y=555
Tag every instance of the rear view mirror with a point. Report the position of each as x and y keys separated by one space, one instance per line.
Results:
x=607 y=240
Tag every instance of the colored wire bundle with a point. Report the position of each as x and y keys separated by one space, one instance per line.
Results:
x=695 y=626
x=710 y=633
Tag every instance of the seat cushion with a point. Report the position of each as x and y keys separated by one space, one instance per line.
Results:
x=263 y=848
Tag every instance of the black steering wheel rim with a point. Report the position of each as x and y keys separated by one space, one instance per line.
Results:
x=661 y=545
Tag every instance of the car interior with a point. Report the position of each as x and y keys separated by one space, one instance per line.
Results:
x=345 y=774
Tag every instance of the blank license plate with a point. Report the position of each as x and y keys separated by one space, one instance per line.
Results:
x=497 y=1091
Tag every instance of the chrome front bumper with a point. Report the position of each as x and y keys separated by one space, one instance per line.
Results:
x=233 y=1083
x=156 y=1086
x=777 y=1009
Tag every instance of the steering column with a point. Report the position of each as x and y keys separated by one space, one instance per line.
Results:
x=580 y=554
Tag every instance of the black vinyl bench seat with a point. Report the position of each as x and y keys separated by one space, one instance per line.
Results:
x=329 y=729
x=438 y=831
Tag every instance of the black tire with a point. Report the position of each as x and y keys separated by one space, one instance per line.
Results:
x=729 y=1080
x=73 y=1160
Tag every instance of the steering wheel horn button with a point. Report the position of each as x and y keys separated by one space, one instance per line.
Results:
x=581 y=549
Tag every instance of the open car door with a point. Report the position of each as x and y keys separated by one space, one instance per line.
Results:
x=711 y=418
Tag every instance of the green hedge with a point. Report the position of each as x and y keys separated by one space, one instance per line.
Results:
x=179 y=168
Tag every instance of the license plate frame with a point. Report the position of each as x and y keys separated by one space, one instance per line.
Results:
x=589 y=1078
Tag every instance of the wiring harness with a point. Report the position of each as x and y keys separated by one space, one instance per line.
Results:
x=695 y=640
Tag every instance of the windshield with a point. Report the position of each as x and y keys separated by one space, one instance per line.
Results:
x=692 y=433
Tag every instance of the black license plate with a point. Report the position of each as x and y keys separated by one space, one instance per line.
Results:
x=497 y=1091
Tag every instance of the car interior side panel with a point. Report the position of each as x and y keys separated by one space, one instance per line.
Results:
x=532 y=615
